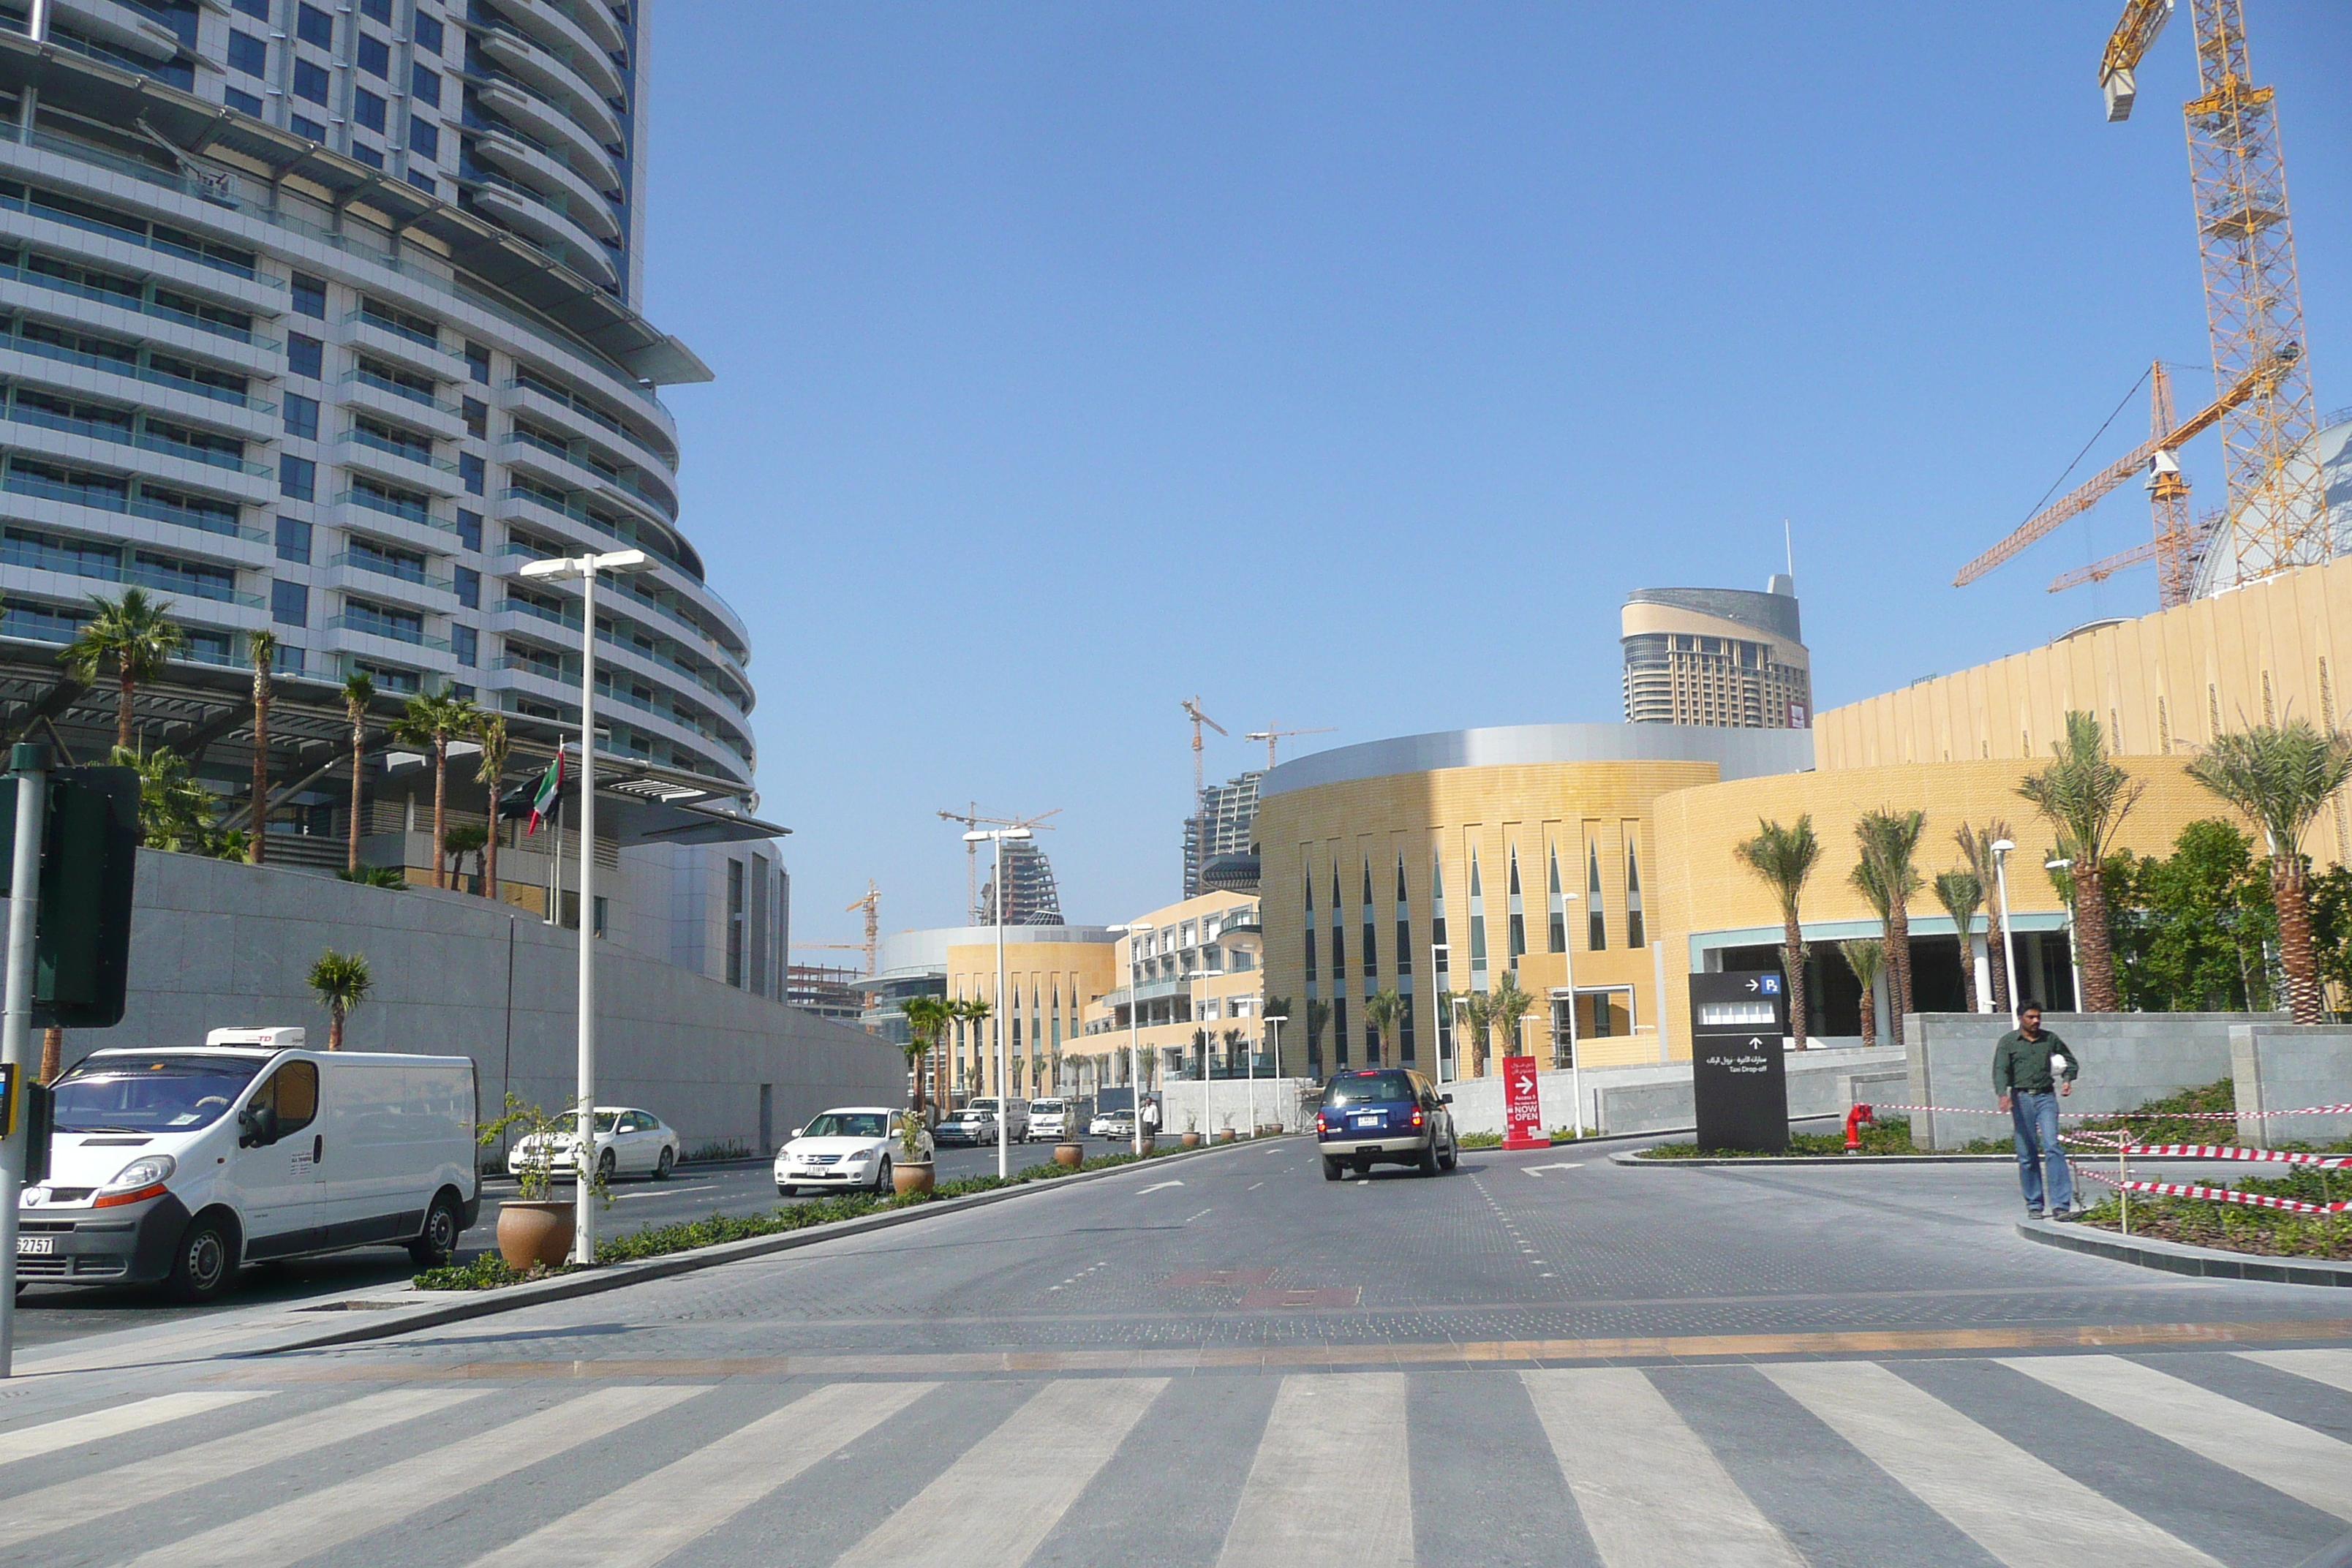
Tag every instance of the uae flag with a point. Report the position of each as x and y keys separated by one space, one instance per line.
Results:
x=550 y=786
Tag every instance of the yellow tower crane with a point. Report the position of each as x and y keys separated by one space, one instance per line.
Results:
x=871 y=904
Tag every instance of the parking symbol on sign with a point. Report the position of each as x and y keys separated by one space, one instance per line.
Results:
x=1771 y=986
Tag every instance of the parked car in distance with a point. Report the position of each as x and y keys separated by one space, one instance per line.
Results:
x=1116 y=1125
x=954 y=1131
x=1015 y=1112
x=177 y=1166
x=1385 y=1116
x=629 y=1143
x=850 y=1146
x=1049 y=1119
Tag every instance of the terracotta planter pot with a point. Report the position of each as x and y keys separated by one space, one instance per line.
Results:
x=1226 y=1136
x=533 y=1233
x=910 y=1177
x=1070 y=1155
x=1192 y=1139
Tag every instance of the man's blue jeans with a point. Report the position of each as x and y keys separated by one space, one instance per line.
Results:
x=2039 y=1159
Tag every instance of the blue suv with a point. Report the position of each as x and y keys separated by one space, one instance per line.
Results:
x=1385 y=1115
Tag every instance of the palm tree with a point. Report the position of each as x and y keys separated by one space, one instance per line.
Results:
x=1975 y=849
x=465 y=838
x=1961 y=894
x=1478 y=1012
x=1381 y=1012
x=490 y=730
x=2086 y=796
x=376 y=877
x=1866 y=957
x=1889 y=839
x=1785 y=858
x=131 y=633
x=174 y=811
x=1870 y=879
x=1510 y=1004
x=358 y=693
x=431 y=721
x=262 y=647
x=975 y=1011
x=340 y=982
x=1318 y=1014
x=926 y=1017
x=2281 y=776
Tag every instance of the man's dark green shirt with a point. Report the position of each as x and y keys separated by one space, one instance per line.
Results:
x=2019 y=1063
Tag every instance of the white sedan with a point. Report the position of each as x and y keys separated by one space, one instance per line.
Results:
x=629 y=1143
x=849 y=1146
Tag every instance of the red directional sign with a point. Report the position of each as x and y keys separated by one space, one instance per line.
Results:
x=1523 y=1125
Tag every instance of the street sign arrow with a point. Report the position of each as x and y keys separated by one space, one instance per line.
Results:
x=1562 y=1165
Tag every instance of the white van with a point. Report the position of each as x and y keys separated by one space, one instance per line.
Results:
x=178 y=1166
x=1015 y=1114
x=1049 y=1119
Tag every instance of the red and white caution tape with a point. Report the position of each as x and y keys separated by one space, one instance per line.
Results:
x=2134 y=1115
x=2218 y=1195
x=2225 y=1151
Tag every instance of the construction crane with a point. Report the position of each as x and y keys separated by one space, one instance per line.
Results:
x=2254 y=298
x=971 y=820
x=1192 y=706
x=2084 y=496
x=871 y=904
x=1270 y=735
x=2176 y=542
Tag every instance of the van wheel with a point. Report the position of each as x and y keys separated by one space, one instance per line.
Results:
x=205 y=1261
x=1427 y=1163
x=667 y=1163
x=1331 y=1170
x=437 y=1244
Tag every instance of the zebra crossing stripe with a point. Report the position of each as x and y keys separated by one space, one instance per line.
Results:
x=2024 y=1512
x=32 y=1442
x=1652 y=1492
x=86 y=1498
x=1325 y=1437
x=333 y=1515
x=2333 y=1368
x=993 y=1506
x=2284 y=1456
x=656 y=1515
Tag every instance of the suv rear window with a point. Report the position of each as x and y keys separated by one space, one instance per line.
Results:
x=1368 y=1087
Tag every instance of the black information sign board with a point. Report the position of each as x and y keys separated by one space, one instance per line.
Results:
x=1738 y=1078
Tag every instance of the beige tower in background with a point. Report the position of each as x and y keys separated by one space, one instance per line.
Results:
x=1719 y=657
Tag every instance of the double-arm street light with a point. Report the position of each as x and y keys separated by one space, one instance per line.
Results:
x=1004 y=1101
x=587 y=568
x=1136 y=932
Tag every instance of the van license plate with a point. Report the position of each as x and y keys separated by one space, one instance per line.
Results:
x=1372 y=1121
x=36 y=1246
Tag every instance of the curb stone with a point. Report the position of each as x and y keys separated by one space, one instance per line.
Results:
x=2174 y=1258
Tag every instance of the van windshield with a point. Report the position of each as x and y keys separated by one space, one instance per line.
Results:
x=150 y=1093
x=1368 y=1089
x=1054 y=1106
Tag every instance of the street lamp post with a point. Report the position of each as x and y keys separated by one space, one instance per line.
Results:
x=2074 y=962
x=1437 y=1019
x=1136 y=931
x=1277 y=1020
x=2002 y=850
x=1003 y=1101
x=1575 y=1049
x=587 y=568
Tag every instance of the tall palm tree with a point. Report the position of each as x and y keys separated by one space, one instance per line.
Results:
x=1961 y=894
x=1381 y=1012
x=2281 y=776
x=431 y=721
x=1318 y=1014
x=340 y=981
x=2086 y=796
x=1869 y=879
x=134 y=635
x=1975 y=849
x=976 y=1011
x=490 y=731
x=1785 y=858
x=1510 y=1004
x=926 y=1017
x=262 y=647
x=1889 y=839
x=1478 y=1012
x=359 y=694
x=1867 y=956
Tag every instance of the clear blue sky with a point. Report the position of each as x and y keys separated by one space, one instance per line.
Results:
x=1345 y=364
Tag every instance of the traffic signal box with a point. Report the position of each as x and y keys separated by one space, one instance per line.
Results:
x=83 y=944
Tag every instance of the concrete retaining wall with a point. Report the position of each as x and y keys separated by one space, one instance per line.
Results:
x=1289 y=1101
x=2128 y=1059
x=2285 y=1066
x=217 y=943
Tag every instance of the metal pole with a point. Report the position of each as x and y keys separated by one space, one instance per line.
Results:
x=1134 y=1052
x=1440 y=1034
x=30 y=763
x=1003 y=1103
x=1253 y=1094
x=1575 y=1049
x=583 y=1210
x=2009 y=940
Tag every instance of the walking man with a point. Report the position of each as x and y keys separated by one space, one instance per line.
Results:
x=2028 y=1063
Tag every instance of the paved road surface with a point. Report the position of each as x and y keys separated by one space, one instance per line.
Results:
x=1540 y=1360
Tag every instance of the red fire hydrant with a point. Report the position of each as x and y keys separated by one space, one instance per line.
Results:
x=1855 y=1121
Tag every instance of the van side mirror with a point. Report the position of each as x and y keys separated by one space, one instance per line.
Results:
x=1445 y=1100
x=249 y=1132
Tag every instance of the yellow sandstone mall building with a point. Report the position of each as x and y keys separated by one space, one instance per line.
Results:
x=1596 y=859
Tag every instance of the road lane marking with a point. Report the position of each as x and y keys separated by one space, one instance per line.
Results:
x=991 y=1507
x=31 y=1442
x=2283 y=1455
x=1252 y=1186
x=2333 y=1368
x=1561 y=1165
x=2025 y=1512
x=1324 y=1438
x=1652 y=1492
x=1189 y=1220
x=1156 y=1187
x=328 y=1518
x=85 y=1498
x=657 y=1514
